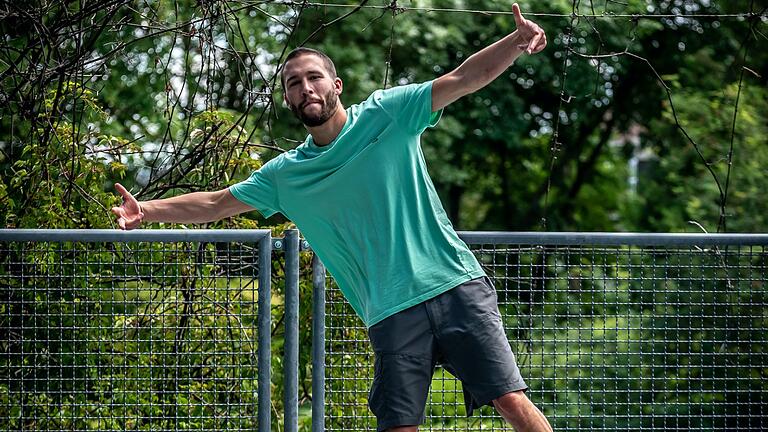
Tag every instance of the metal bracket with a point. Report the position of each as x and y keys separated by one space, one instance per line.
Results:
x=279 y=242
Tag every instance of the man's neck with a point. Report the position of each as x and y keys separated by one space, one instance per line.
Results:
x=325 y=133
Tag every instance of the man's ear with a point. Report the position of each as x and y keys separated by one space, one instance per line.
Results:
x=338 y=85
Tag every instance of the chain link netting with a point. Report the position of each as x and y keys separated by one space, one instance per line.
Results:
x=607 y=338
x=128 y=336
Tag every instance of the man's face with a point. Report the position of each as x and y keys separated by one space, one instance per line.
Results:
x=310 y=92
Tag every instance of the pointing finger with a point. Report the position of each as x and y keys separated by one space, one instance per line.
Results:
x=533 y=43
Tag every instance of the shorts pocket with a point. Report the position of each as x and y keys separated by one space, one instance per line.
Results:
x=489 y=288
x=400 y=386
x=376 y=398
x=474 y=301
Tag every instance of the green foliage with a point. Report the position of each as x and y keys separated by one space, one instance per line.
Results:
x=170 y=114
x=683 y=172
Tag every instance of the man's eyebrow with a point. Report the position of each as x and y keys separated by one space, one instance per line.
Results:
x=309 y=72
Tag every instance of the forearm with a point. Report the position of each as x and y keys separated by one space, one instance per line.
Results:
x=196 y=207
x=487 y=64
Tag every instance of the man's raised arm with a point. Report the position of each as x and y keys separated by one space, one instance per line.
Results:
x=196 y=207
x=485 y=65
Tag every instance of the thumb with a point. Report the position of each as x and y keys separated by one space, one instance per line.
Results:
x=518 y=15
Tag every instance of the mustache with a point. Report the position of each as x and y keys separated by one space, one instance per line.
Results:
x=309 y=101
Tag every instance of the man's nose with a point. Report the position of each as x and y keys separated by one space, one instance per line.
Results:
x=306 y=88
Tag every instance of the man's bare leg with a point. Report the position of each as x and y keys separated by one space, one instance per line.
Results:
x=516 y=409
x=521 y=413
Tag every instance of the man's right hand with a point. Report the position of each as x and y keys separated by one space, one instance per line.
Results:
x=534 y=39
x=129 y=214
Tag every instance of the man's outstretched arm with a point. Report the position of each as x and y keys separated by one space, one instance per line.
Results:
x=196 y=207
x=487 y=64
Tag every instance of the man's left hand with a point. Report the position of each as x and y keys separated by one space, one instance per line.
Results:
x=533 y=39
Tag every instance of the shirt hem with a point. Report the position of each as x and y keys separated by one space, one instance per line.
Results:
x=453 y=283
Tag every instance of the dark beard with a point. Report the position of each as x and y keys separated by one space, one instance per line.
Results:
x=329 y=108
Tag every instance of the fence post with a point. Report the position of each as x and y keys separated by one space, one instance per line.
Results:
x=318 y=345
x=264 y=328
x=291 y=360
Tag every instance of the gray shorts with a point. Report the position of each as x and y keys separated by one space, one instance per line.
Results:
x=461 y=330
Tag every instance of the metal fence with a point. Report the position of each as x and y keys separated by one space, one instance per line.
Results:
x=164 y=330
x=611 y=331
x=149 y=330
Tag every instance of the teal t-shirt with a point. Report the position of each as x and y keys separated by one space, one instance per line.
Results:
x=366 y=205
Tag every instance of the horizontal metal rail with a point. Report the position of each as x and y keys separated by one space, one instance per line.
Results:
x=612 y=239
x=140 y=235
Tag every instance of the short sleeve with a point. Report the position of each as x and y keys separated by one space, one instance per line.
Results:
x=410 y=106
x=259 y=190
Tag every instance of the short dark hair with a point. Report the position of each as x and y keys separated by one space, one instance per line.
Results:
x=300 y=51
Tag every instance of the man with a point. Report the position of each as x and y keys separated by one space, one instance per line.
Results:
x=359 y=191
